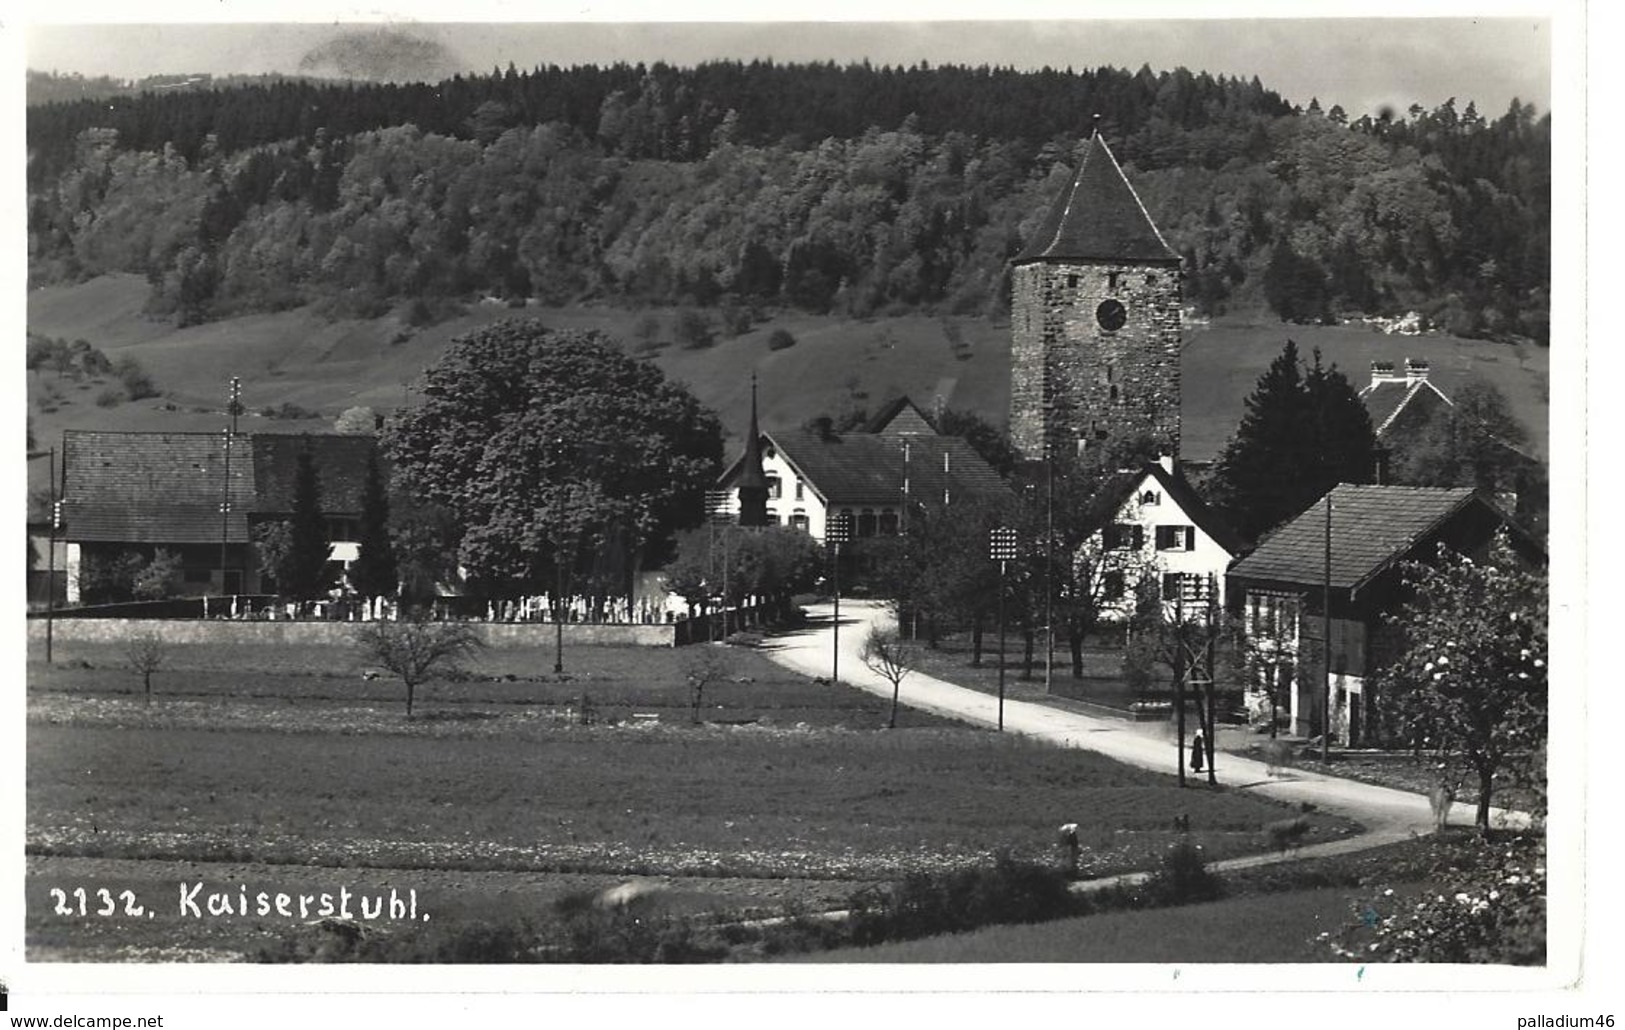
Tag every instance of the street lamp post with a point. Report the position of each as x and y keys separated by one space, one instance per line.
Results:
x=1001 y=548
x=837 y=531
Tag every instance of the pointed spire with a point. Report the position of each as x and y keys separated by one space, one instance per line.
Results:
x=1098 y=217
x=752 y=482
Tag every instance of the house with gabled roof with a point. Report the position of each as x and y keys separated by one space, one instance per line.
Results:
x=870 y=478
x=1336 y=568
x=900 y=417
x=1153 y=523
x=1405 y=406
x=1400 y=403
x=142 y=492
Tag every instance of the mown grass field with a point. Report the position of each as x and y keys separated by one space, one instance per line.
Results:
x=289 y=767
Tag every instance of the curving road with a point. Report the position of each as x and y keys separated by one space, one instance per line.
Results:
x=1388 y=815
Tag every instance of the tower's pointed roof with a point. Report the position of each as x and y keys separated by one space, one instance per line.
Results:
x=1099 y=217
x=751 y=476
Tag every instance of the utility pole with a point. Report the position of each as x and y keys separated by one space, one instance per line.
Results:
x=1326 y=641
x=558 y=566
x=225 y=488
x=50 y=574
x=1049 y=565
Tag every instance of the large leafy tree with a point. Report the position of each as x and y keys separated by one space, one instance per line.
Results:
x=1302 y=433
x=374 y=573
x=1470 y=687
x=549 y=444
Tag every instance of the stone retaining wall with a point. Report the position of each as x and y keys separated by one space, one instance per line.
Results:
x=224 y=631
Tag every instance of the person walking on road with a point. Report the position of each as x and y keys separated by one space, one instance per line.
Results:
x=1198 y=752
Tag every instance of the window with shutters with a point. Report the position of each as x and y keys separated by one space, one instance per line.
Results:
x=1176 y=538
x=1123 y=536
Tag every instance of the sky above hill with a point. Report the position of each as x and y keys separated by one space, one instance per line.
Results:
x=1362 y=63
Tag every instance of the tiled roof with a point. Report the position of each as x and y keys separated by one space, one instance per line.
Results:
x=1372 y=527
x=1384 y=401
x=863 y=469
x=167 y=487
x=901 y=417
x=154 y=487
x=1117 y=490
x=341 y=470
x=1098 y=217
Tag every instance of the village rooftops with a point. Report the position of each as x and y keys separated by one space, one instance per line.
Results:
x=168 y=487
x=1120 y=488
x=1098 y=217
x=1373 y=527
x=865 y=469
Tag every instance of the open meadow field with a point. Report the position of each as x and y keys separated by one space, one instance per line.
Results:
x=298 y=358
x=289 y=768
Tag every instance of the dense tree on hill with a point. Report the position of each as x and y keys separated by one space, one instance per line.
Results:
x=1301 y=434
x=554 y=446
x=873 y=189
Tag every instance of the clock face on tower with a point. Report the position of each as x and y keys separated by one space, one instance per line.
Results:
x=1111 y=315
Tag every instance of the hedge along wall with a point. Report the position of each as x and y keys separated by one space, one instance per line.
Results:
x=225 y=631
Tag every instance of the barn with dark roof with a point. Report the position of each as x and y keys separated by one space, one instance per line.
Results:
x=1352 y=559
x=142 y=492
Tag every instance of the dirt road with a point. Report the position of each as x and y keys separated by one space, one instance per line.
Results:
x=1388 y=815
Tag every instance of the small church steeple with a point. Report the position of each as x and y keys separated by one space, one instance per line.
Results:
x=752 y=482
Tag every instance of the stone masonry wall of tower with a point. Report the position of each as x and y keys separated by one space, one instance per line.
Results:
x=1081 y=380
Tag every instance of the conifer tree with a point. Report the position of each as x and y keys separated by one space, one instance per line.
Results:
x=1300 y=436
x=304 y=576
x=373 y=573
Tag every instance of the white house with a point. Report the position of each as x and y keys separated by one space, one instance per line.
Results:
x=1157 y=525
x=870 y=478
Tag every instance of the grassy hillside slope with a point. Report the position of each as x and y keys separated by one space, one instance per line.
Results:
x=296 y=357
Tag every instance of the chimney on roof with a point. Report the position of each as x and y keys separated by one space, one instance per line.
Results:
x=1383 y=372
x=1416 y=371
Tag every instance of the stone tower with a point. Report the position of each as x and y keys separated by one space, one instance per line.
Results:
x=1095 y=321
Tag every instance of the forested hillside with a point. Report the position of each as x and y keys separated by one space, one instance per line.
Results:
x=850 y=189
